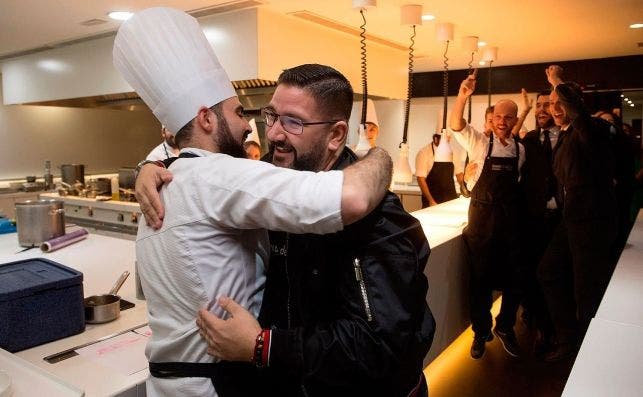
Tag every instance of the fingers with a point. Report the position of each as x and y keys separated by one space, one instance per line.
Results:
x=474 y=74
x=231 y=306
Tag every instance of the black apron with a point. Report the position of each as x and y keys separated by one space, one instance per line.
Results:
x=491 y=235
x=440 y=182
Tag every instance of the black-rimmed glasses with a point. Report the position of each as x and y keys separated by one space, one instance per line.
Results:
x=291 y=125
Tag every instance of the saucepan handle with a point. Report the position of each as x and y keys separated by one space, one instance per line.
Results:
x=119 y=283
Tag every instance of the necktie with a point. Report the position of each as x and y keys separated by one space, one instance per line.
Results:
x=547 y=146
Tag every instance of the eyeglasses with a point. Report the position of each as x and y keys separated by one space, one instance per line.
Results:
x=291 y=125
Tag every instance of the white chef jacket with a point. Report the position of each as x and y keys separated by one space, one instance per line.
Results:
x=476 y=144
x=425 y=157
x=216 y=209
x=161 y=152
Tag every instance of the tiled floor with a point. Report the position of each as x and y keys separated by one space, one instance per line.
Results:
x=456 y=374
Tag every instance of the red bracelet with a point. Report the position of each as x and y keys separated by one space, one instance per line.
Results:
x=262 y=349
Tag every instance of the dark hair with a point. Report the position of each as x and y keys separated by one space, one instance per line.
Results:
x=489 y=110
x=183 y=136
x=543 y=93
x=571 y=96
x=331 y=90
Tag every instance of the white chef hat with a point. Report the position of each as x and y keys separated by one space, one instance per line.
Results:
x=164 y=55
x=371 y=115
x=254 y=135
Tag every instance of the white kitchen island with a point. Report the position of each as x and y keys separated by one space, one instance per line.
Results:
x=101 y=259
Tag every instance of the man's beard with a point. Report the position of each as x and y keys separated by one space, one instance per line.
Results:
x=310 y=161
x=226 y=142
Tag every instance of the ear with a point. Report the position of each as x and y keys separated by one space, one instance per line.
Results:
x=337 y=136
x=206 y=120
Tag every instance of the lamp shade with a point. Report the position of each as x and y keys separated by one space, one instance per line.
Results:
x=362 y=143
x=402 y=169
x=411 y=14
x=490 y=54
x=444 y=31
x=359 y=4
x=470 y=44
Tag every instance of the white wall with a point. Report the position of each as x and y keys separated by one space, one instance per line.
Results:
x=103 y=140
x=423 y=120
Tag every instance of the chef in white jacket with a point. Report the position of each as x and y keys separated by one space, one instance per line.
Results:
x=212 y=241
x=167 y=149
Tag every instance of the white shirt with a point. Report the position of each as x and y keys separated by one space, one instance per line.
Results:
x=476 y=144
x=553 y=135
x=162 y=152
x=425 y=157
x=216 y=210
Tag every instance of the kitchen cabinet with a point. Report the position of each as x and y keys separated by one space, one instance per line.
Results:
x=9 y=200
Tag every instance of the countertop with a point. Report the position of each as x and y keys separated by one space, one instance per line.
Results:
x=101 y=259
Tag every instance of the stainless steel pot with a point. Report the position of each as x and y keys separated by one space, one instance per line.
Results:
x=39 y=221
x=72 y=173
x=106 y=307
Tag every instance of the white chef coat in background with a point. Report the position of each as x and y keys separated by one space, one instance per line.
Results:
x=162 y=152
x=217 y=208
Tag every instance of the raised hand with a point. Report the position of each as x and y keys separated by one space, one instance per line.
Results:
x=554 y=75
x=468 y=85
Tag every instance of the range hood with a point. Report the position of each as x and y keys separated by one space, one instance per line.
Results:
x=253 y=45
x=253 y=95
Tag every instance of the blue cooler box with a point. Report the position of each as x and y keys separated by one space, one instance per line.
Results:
x=40 y=301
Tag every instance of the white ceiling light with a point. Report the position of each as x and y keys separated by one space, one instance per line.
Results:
x=428 y=17
x=482 y=63
x=631 y=105
x=482 y=43
x=622 y=96
x=120 y=15
x=636 y=25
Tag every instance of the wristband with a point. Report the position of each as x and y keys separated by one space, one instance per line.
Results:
x=143 y=163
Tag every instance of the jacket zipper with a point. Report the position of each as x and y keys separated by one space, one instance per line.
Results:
x=362 y=288
x=287 y=282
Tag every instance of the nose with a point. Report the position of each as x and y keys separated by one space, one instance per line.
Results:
x=276 y=132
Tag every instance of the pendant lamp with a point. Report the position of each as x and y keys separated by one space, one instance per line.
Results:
x=411 y=15
x=362 y=144
x=470 y=45
x=490 y=54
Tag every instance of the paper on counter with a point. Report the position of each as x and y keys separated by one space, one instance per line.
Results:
x=64 y=240
x=123 y=353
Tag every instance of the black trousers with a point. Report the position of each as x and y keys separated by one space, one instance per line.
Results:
x=536 y=235
x=491 y=240
x=575 y=272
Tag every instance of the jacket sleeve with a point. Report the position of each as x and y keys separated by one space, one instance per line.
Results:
x=382 y=325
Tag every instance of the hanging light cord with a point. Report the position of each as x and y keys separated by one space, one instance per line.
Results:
x=489 y=86
x=468 y=73
x=445 y=86
x=409 y=90
x=362 y=41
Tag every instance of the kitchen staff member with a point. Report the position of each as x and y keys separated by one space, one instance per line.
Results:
x=167 y=149
x=435 y=165
x=491 y=235
x=217 y=205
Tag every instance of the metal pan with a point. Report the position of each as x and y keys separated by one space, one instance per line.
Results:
x=107 y=307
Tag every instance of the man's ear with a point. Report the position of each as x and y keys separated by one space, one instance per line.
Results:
x=206 y=120
x=337 y=136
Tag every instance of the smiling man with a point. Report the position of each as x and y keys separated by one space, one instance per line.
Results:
x=343 y=313
x=213 y=241
x=491 y=235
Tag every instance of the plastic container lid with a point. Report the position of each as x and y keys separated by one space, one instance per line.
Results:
x=30 y=276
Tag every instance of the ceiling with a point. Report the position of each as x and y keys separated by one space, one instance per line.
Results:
x=525 y=32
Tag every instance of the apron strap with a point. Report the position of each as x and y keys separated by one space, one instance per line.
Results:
x=182 y=370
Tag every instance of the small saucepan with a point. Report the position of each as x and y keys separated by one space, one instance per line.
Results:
x=107 y=307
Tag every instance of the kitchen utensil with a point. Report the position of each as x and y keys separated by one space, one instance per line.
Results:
x=72 y=173
x=106 y=307
x=39 y=220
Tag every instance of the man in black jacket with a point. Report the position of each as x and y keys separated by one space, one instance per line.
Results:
x=345 y=313
x=578 y=263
